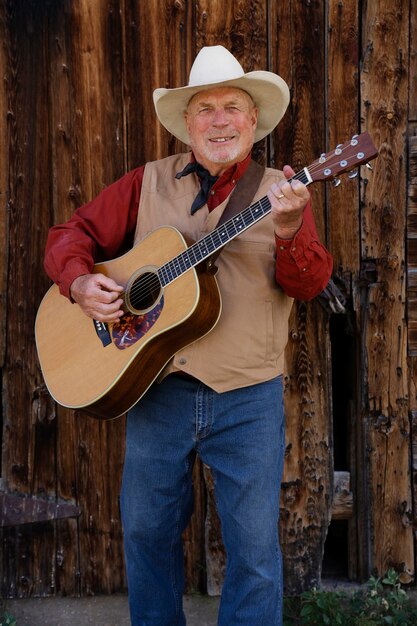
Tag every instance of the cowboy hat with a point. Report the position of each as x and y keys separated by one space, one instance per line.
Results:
x=214 y=66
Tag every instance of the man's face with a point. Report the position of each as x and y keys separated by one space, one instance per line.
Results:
x=221 y=124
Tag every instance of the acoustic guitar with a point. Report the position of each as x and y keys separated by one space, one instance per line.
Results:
x=170 y=301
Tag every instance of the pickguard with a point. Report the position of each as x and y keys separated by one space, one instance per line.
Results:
x=131 y=328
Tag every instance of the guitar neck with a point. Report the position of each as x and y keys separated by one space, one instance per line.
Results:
x=220 y=236
x=345 y=157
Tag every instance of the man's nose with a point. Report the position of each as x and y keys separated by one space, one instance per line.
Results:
x=220 y=117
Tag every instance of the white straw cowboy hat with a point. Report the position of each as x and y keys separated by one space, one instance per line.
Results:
x=214 y=66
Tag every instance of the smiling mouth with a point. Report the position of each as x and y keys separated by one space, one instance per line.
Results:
x=220 y=139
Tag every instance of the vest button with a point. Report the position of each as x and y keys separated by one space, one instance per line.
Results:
x=182 y=361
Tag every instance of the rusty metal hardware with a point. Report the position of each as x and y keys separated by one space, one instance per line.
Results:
x=17 y=509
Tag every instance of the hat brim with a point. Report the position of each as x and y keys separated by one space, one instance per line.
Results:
x=269 y=92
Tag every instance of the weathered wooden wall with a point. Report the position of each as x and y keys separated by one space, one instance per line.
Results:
x=75 y=113
x=411 y=175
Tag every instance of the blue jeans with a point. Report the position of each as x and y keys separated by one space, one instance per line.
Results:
x=240 y=435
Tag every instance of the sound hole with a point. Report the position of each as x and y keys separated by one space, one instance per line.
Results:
x=144 y=291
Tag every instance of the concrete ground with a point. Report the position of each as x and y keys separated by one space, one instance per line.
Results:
x=113 y=610
x=99 y=611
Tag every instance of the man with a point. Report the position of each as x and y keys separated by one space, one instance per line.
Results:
x=220 y=397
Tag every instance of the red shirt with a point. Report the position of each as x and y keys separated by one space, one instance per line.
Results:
x=104 y=228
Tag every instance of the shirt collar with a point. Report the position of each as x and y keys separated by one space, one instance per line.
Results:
x=232 y=174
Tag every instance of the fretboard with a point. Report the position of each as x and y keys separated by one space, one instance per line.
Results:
x=220 y=236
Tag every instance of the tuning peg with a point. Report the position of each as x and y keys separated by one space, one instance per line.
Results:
x=353 y=174
x=336 y=182
x=370 y=167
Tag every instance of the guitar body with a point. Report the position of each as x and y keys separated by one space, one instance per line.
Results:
x=106 y=378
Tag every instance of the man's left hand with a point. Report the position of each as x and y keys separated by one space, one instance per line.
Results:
x=288 y=200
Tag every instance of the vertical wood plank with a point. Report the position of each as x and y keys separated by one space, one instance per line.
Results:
x=4 y=181
x=6 y=126
x=99 y=452
x=29 y=461
x=384 y=95
x=194 y=537
x=239 y=26
x=159 y=57
x=66 y=185
x=343 y=122
x=412 y=249
x=412 y=191
x=343 y=214
x=307 y=488
x=97 y=120
x=412 y=51
x=297 y=52
x=298 y=55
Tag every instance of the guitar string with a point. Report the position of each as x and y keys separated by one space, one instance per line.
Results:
x=153 y=282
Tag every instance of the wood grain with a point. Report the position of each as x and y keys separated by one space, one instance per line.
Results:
x=384 y=96
x=76 y=113
x=297 y=50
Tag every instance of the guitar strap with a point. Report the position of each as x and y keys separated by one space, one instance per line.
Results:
x=241 y=197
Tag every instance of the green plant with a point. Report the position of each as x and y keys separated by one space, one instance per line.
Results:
x=382 y=601
x=6 y=619
x=318 y=607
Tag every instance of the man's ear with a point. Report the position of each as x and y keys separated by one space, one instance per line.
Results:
x=255 y=116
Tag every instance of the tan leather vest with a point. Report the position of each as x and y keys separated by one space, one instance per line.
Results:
x=247 y=344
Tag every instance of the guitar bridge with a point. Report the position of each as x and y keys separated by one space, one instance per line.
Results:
x=102 y=331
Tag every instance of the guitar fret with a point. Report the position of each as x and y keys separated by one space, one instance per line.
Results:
x=183 y=267
x=202 y=247
x=255 y=209
x=211 y=244
x=187 y=257
x=174 y=268
x=166 y=274
x=180 y=264
x=191 y=251
x=162 y=275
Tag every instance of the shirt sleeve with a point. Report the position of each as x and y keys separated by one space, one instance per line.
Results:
x=303 y=265
x=100 y=230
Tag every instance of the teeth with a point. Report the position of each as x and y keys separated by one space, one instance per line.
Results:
x=220 y=139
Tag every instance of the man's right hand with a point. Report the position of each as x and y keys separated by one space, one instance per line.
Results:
x=98 y=296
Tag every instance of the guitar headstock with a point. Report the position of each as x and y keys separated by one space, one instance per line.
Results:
x=345 y=157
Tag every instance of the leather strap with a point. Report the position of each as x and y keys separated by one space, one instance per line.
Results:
x=243 y=194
